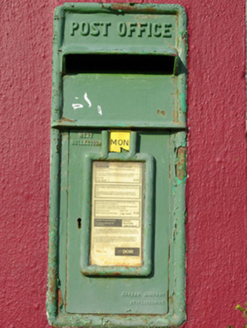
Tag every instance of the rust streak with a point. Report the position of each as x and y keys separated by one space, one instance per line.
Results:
x=181 y=163
x=64 y=119
x=59 y=299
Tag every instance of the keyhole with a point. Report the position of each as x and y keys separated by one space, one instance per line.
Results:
x=79 y=223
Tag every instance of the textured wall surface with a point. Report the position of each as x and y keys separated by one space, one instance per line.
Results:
x=216 y=190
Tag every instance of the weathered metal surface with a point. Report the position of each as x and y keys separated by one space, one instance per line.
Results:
x=155 y=32
x=85 y=105
x=181 y=163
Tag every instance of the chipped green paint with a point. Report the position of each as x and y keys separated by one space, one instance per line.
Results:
x=74 y=299
x=179 y=181
x=182 y=98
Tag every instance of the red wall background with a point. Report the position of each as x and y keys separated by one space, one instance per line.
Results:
x=216 y=187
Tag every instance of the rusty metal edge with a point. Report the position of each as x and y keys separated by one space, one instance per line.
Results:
x=52 y=279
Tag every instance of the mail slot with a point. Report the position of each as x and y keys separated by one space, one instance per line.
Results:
x=118 y=166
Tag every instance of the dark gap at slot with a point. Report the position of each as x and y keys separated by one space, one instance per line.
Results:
x=79 y=223
x=115 y=64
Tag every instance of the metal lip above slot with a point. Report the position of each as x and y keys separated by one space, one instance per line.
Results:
x=138 y=50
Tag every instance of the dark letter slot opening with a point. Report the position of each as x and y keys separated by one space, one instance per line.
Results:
x=114 y=64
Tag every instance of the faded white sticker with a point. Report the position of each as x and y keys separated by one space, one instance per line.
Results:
x=116 y=219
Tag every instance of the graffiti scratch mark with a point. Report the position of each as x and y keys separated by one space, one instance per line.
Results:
x=87 y=100
x=99 y=110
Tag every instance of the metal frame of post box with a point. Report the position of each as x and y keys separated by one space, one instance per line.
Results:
x=146 y=268
x=176 y=315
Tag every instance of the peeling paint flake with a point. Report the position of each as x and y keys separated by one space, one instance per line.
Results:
x=182 y=98
x=76 y=106
x=99 y=110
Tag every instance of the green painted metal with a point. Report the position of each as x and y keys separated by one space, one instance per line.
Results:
x=167 y=105
x=86 y=104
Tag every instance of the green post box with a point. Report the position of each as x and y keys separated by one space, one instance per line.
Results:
x=118 y=166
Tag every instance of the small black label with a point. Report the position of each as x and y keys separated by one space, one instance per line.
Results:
x=127 y=251
x=108 y=222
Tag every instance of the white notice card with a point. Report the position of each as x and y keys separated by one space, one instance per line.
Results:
x=116 y=216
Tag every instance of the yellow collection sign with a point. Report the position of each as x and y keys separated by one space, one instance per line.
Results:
x=119 y=140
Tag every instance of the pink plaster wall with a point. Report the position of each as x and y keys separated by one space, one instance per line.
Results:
x=216 y=189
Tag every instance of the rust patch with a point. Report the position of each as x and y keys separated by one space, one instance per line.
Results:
x=59 y=299
x=162 y=112
x=52 y=296
x=64 y=119
x=181 y=163
x=117 y=274
x=52 y=274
